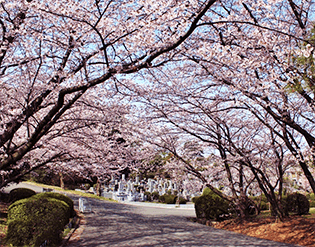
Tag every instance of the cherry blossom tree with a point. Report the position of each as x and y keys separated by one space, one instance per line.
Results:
x=243 y=55
x=253 y=58
x=169 y=53
x=244 y=154
x=90 y=139
x=51 y=55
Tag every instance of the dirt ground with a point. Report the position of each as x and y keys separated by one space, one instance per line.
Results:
x=294 y=230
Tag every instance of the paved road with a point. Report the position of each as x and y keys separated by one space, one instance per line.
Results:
x=12 y=186
x=117 y=224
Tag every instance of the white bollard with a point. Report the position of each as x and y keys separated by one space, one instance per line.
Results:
x=84 y=205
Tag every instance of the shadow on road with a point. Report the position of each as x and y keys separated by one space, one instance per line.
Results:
x=116 y=224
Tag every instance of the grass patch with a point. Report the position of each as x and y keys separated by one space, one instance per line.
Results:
x=79 y=193
x=66 y=232
x=263 y=214
x=311 y=213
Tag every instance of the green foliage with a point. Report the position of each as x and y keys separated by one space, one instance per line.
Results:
x=60 y=197
x=296 y=203
x=310 y=196
x=206 y=191
x=148 y=195
x=171 y=199
x=20 y=193
x=211 y=207
x=87 y=186
x=194 y=199
x=168 y=199
x=155 y=196
x=264 y=205
x=33 y=221
x=261 y=201
x=305 y=65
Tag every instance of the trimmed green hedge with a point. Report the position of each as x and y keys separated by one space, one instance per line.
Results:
x=20 y=193
x=171 y=199
x=211 y=207
x=168 y=199
x=60 y=197
x=33 y=221
x=296 y=203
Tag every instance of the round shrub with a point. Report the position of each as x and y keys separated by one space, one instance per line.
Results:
x=194 y=199
x=296 y=203
x=60 y=197
x=211 y=207
x=206 y=191
x=33 y=221
x=20 y=193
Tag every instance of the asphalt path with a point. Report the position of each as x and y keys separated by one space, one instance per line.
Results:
x=117 y=224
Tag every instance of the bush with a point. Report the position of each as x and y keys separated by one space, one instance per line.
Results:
x=20 y=193
x=33 y=221
x=148 y=195
x=155 y=196
x=171 y=199
x=60 y=197
x=296 y=203
x=194 y=199
x=168 y=199
x=261 y=201
x=311 y=198
x=86 y=186
x=264 y=206
x=207 y=191
x=210 y=206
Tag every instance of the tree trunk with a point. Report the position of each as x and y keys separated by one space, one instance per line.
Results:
x=98 y=187
x=62 y=184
